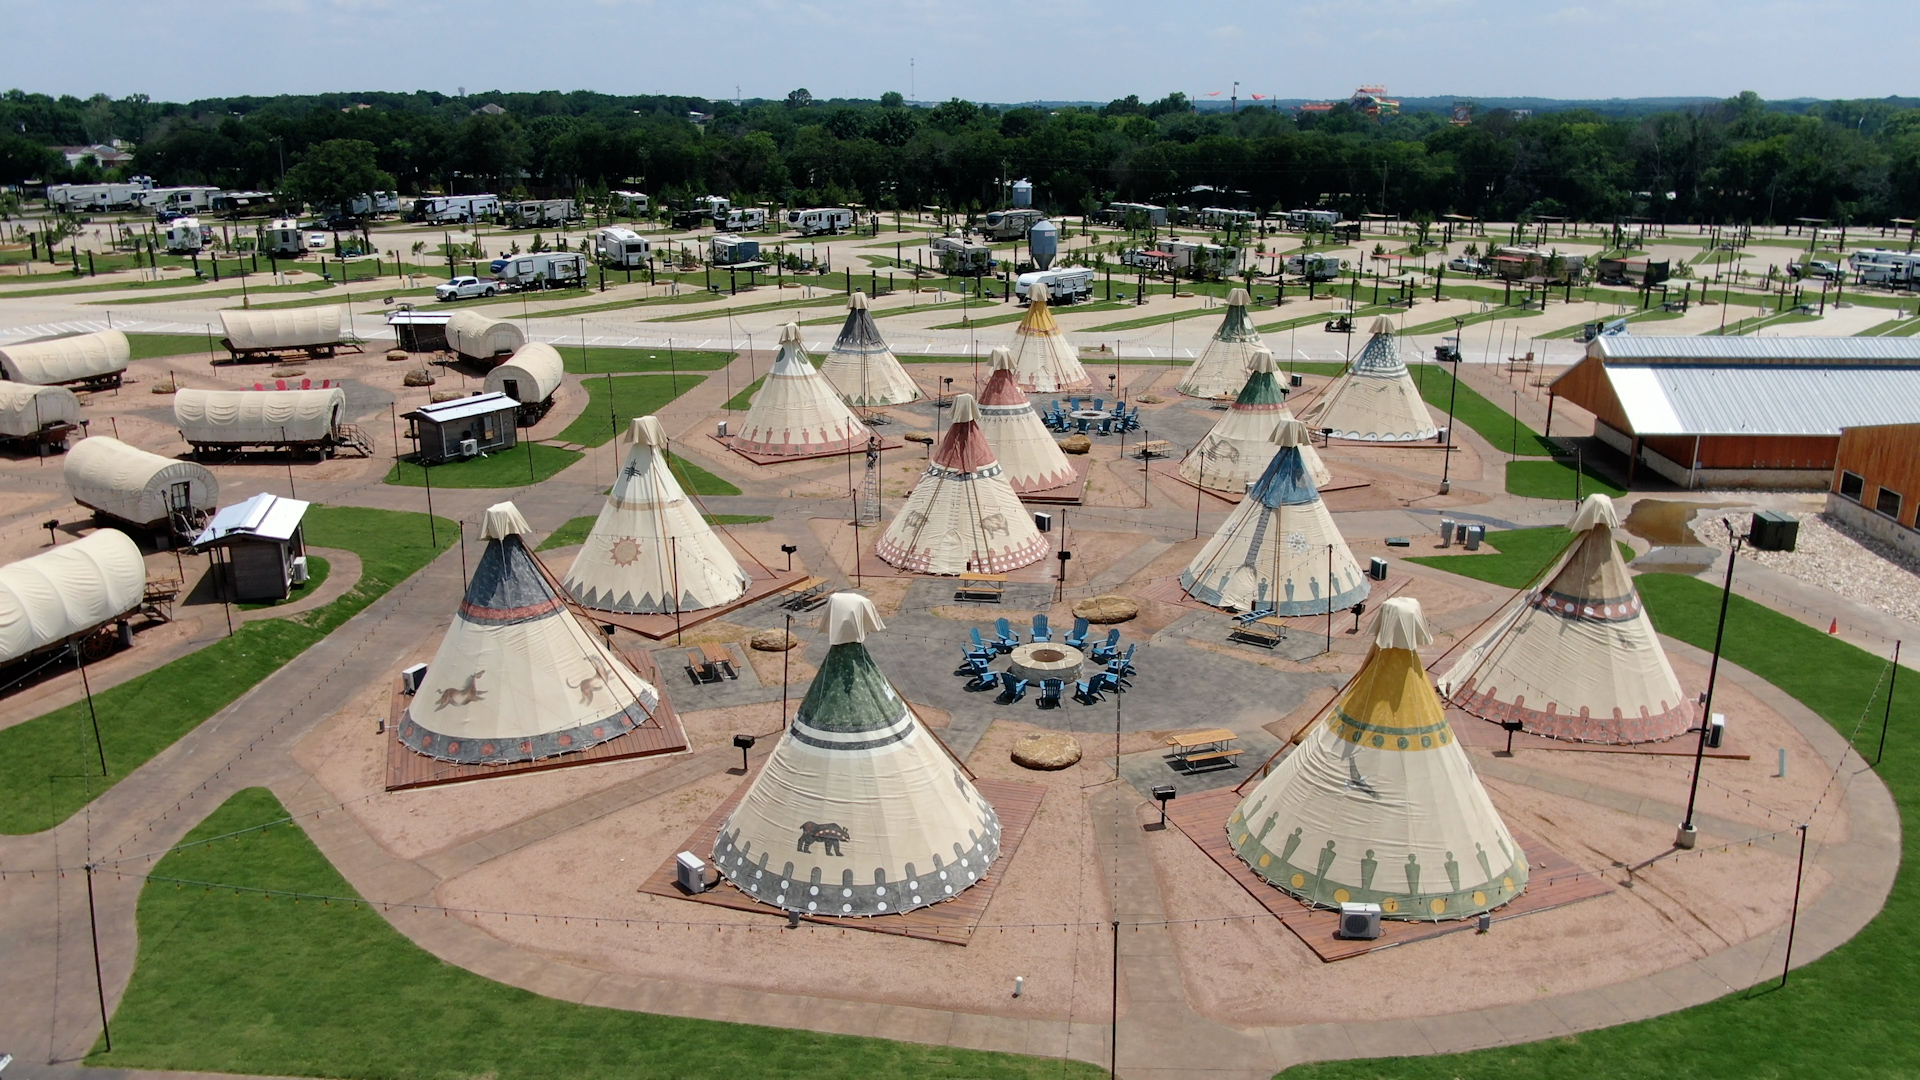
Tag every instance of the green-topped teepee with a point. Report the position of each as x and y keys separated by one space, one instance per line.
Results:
x=1222 y=366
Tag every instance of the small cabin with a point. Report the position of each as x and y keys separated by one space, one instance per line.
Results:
x=420 y=331
x=258 y=547
x=463 y=428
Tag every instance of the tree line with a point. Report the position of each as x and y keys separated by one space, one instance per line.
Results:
x=1742 y=160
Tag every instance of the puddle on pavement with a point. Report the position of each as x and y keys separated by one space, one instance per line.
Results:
x=1666 y=523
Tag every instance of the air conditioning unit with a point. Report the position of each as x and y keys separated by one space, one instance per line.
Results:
x=1359 y=922
x=1717 y=730
x=469 y=447
x=690 y=872
x=412 y=677
x=1377 y=569
x=299 y=570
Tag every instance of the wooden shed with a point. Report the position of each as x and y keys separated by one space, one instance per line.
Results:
x=463 y=428
x=420 y=331
x=259 y=547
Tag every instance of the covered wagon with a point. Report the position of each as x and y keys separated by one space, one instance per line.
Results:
x=476 y=336
x=129 y=484
x=71 y=596
x=37 y=416
x=300 y=421
x=87 y=361
x=272 y=335
x=530 y=376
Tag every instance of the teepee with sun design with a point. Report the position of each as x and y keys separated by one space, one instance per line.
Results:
x=963 y=516
x=1379 y=804
x=517 y=676
x=859 y=810
x=651 y=551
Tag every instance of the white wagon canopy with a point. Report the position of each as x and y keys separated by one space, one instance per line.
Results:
x=314 y=331
x=26 y=410
x=93 y=359
x=233 y=418
x=481 y=337
x=530 y=376
x=128 y=483
x=68 y=592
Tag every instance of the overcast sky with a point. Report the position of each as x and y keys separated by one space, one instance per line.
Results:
x=996 y=51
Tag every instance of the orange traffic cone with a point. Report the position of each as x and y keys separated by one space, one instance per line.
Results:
x=1833 y=627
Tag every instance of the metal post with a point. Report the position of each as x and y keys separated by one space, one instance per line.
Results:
x=99 y=985
x=80 y=657
x=1793 y=917
x=1685 y=838
x=1887 y=716
x=785 y=666
x=1276 y=598
x=1113 y=1021
x=432 y=534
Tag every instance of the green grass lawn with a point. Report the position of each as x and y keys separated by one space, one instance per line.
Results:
x=317 y=569
x=1556 y=480
x=1519 y=556
x=1490 y=421
x=221 y=291
x=576 y=530
x=600 y=359
x=369 y=298
x=507 y=468
x=1145 y=321
x=272 y=974
x=631 y=396
x=147 y=346
x=1850 y=1013
x=49 y=767
x=740 y=401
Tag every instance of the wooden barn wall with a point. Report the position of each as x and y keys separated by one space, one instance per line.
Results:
x=1887 y=456
x=1750 y=451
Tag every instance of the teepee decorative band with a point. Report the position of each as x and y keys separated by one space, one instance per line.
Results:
x=797 y=412
x=1221 y=368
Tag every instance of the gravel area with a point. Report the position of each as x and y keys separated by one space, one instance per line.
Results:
x=1829 y=555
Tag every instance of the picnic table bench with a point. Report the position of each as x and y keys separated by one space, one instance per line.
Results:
x=806 y=595
x=710 y=664
x=985 y=588
x=1265 y=633
x=1153 y=448
x=1199 y=750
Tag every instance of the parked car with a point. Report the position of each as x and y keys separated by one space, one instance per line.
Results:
x=461 y=288
x=1819 y=268
x=1466 y=265
x=318 y=241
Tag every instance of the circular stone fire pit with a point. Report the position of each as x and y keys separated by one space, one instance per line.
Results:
x=1045 y=660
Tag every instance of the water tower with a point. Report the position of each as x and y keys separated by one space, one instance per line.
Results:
x=1043 y=242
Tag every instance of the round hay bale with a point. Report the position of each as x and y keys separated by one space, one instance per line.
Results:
x=417 y=377
x=1149 y=399
x=399 y=354
x=1076 y=444
x=773 y=639
x=288 y=373
x=164 y=387
x=918 y=437
x=446 y=395
x=1106 y=609
x=1046 y=750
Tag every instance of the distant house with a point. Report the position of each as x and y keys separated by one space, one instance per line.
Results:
x=108 y=157
x=489 y=109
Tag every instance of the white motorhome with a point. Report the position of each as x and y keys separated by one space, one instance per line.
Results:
x=629 y=202
x=715 y=204
x=174 y=201
x=1010 y=224
x=740 y=218
x=819 y=220
x=540 y=270
x=1220 y=216
x=447 y=209
x=185 y=236
x=1193 y=254
x=1314 y=267
x=381 y=202
x=528 y=213
x=1064 y=284
x=622 y=249
x=1307 y=220
x=1117 y=213
x=283 y=239
x=1879 y=266
x=98 y=196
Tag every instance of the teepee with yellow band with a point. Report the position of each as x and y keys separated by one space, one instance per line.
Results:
x=1379 y=803
x=1044 y=361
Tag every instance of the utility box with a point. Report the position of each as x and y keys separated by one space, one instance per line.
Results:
x=690 y=872
x=1474 y=534
x=1295 y=380
x=1773 y=531
x=1446 y=532
x=411 y=678
x=1716 y=730
x=1043 y=522
x=1377 y=568
x=1359 y=922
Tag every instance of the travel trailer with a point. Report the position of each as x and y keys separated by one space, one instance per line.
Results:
x=1064 y=285
x=98 y=197
x=529 y=213
x=282 y=238
x=819 y=221
x=446 y=209
x=622 y=249
x=1009 y=224
x=540 y=270
x=186 y=236
x=169 y=203
x=1312 y=220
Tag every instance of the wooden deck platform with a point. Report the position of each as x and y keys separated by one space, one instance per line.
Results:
x=1068 y=494
x=763 y=583
x=952 y=922
x=407 y=769
x=1553 y=881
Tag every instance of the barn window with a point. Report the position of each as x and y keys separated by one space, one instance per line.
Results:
x=1888 y=503
x=1852 y=485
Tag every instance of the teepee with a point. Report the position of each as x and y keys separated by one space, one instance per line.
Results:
x=517 y=677
x=861 y=367
x=651 y=551
x=1237 y=450
x=1024 y=447
x=1221 y=367
x=1277 y=548
x=1376 y=400
x=1576 y=657
x=963 y=516
x=1044 y=361
x=797 y=412
x=1379 y=804
x=859 y=810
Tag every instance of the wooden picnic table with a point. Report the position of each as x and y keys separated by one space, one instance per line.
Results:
x=985 y=587
x=1156 y=448
x=805 y=594
x=719 y=660
x=1192 y=739
x=1207 y=749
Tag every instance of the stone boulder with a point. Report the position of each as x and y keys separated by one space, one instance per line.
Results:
x=918 y=437
x=398 y=354
x=417 y=377
x=1076 y=444
x=773 y=639
x=1046 y=750
x=1106 y=609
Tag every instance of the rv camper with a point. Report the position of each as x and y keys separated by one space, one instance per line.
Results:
x=98 y=197
x=629 y=202
x=1219 y=217
x=728 y=250
x=1202 y=258
x=1064 y=285
x=1009 y=224
x=1120 y=213
x=447 y=209
x=962 y=257
x=186 y=236
x=1893 y=269
x=170 y=203
x=622 y=249
x=283 y=239
x=234 y=202
x=1314 y=267
x=1639 y=273
x=739 y=219
x=1312 y=220
x=530 y=213
x=820 y=221
x=1520 y=263
x=540 y=270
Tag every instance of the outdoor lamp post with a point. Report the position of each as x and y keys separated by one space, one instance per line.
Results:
x=1444 y=353
x=1688 y=835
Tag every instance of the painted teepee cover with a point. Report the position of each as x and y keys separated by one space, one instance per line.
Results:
x=1044 y=361
x=1221 y=368
x=651 y=551
x=1237 y=450
x=1272 y=552
x=797 y=412
x=963 y=515
x=1376 y=400
x=1379 y=804
x=859 y=810
x=1576 y=657
x=517 y=677
x=1026 y=450
x=860 y=365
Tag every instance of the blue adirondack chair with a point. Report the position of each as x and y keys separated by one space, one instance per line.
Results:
x=1121 y=665
x=1103 y=650
x=1050 y=693
x=1099 y=405
x=1006 y=639
x=979 y=647
x=1012 y=689
x=1106 y=426
x=1086 y=693
x=1077 y=639
x=1074 y=403
x=975 y=666
x=1080 y=424
x=1041 y=631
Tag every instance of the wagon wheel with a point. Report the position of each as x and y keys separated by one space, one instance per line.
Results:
x=99 y=644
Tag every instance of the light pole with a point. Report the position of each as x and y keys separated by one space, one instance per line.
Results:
x=1442 y=354
x=1688 y=835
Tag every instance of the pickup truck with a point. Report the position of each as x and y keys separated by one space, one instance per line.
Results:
x=461 y=288
x=1819 y=268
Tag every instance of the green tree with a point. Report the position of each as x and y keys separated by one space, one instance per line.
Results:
x=334 y=173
